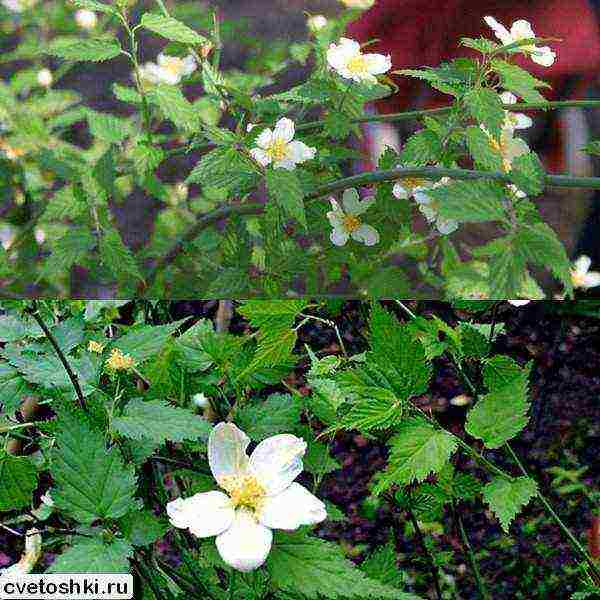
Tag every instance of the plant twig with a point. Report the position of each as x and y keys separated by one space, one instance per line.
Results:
x=33 y=311
x=470 y=554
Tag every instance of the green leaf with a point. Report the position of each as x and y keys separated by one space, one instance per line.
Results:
x=142 y=527
x=480 y=148
x=420 y=149
x=144 y=341
x=279 y=413
x=81 y=49
x=470 y=201
x=13 y=328
x=107 y=127
x=317 y=460
x=92 y=482
x=93 y=555
x=501 y=414
x=96 y=6
x=382 y=565
x=159 y=421
x=72 y=248
x=507 y=498
x=473 y=343
x=519 y=81
x=18 y=479
x=174 y=106
x=482 y=45
x=485 y=107
x=528 y=174
x=117 y=257
x=171 y=29
x=313 y=568
x=286 y=191
x=416 y=450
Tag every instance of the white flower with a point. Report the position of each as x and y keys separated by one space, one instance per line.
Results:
x=261 y=496
x=279 y=148
x=509 y=146
x=514 y=120
x=44 y=77
x=581 y=276
x=345 y=221
x=168 y=69
x=86 y=19
x=316 y=22
x=17 y=6
x=518 y=194
x=410 y=186
x=519 y=302
x=361 y=4
x=522 y=30
x=40 y=235
x=348 y=61
x=200 y=400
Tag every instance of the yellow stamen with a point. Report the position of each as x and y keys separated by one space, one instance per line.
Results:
x=96 y=347
x=244 y=491
x=351 y=223
x=278 y=149
x=577 y=278
x=174 y=65
x=410 y=183
x=358 y=65
x=118 y=361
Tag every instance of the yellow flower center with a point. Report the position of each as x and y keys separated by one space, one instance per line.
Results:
x=410 y=183
x=94 y=346
x=244 y=491
x=351 y=223
x=278 y=149
x=358 y=65
x=578 y=279
x=118 y=361
x=174 y=65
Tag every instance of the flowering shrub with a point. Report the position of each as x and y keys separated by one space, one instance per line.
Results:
x=253 y=217
x=130 y=440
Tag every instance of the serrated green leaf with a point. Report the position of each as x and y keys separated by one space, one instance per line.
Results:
x=92 y=482
x=117 y=257
x=519 y=81
x=422 y=148
x=485 y=107
x=314 y=568
x=285 y=189
x=96 y=6
x=507 y=498
x=382 y=565
x=470 y=201
x=480 y=148
x=171 y=29
x=93 y=555
x=528 y=174
x=416 y=450
x=174 y=106
x=18 y=479
x=473 y=343
x=142 y=528
x=159 y=421
x=279 y=413
x=83 y=49
x=107 y=127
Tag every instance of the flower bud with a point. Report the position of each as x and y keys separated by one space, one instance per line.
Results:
x=44 y=78
x=316 y=22
x=86 y=19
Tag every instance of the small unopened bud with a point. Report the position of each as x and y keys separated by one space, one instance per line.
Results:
x=40 y=235
x=182 y=191
x=206 y=49
x=316 y=22
x=461 y=400
x=361 y=4
x=86 y=19
x=44 y=77
x=200 y=400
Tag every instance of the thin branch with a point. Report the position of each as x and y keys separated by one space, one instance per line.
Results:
x=72 y=376
x=417 y=114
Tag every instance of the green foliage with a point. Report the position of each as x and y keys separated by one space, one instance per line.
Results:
x=501 y=414
x=93 y=555
x=485 y=107
x=314 y=568
x=286 y=191
x=171 y=29
x=92 y=481
x=506 y=498
x=19 y=479
x=471 y=201
x=83 y=49
x=279 y=413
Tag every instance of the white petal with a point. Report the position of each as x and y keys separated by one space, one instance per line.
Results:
x=446 y=226
x=378 y=63
x=521 y=29
x=151 y=72
x=189 y=65
x=428 y=212
x=501 y=32
x=336 y=218
x=300 y=152
x=260 y=156
x=246 y=544
x=522 y=121
x=543 y=56
x=366 y=234
x=591 y=279
x=508 y=98
x=351 y=201
x=350 y=46
x=519 y=302
x=400 y=192
x=294 y=507
x=582 y=264
x=227 y=451
x=339 y=236
x=205 y=515
x=336 y=57
x=264 y=139
x=421 y=197
x=284 y=130
x=286 y=163
x=277 y=461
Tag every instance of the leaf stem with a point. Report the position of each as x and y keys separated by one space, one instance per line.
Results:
x=33 y=311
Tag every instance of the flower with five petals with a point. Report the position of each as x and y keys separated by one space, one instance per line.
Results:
x=347 y=59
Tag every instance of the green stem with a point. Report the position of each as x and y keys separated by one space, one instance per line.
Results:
x=574 y=541
x=471 y=554
x=417 y=114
